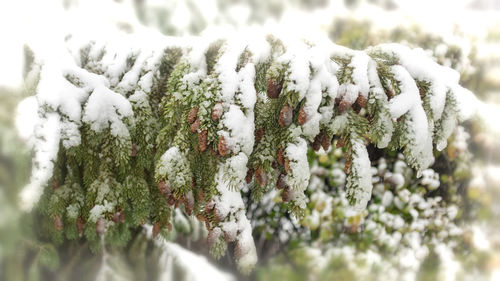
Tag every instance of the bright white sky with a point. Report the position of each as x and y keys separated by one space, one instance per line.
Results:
x=41 y=23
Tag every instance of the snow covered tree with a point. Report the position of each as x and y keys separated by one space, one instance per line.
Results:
x=143 y=130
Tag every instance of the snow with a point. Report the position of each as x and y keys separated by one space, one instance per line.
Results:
x=359 y=64
x=361 y=166
x=106 y=108
x=409 y=101
x=174 y=167
x=422 y=67
x=195 y=267
x=298 y=178
x=46 y=147
x=430 y=179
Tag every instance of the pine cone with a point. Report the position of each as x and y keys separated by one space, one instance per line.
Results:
x=249 y=176
x=156 y=229
x=317 y=142
x=261 y=177
x=58 y=223
x=286 y=196
x=348 y=164
x=287 y=166
x=218 y=216
x=281 y=182
x=421 y=92
x=55 y=184
x=259 y=133
x=200 y=217
x=171 y=200
x=195 y=126
x=200 y=195
x=100 y=226
x=164 y=188
x=212 y=237
x=280 y=156
x=390 y=93
x=202 y=140
x=80 y=225
x=118 y=217
x=240 y=250
x=343 y=106
x=326 y=141
x=286 y=116
x=229 y=236
x=361 y=101
x=302 y=118
x=217 y=111
x=133 y=153
x=222 y=147
x=209 y=209
x=340 y=142
x=189 y=202
x=274 y=88
x=193 y=113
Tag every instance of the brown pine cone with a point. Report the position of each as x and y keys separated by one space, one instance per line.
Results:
x=212 y=237
x=286 y=116
x=229 y=236
x=326 y=141
x=164 y=188
x=249 y=176
x=100 y=226
x=280 y=156
x=287 y=166
x=80 y=225
x=189 y=202
x=302 y=118
x=343 y=106
x=240 y=250
x=274 y=88
x=348 y=164
x=202 y=140
x=218 y=216
x=281 y=182
x=261 y=177
x=200 y=195
x=193 y=113
x=58 y=223
x=156 y=229
x=316 y=145
x=195 y=126
x=217 y=111
x=55 y=184
x=340 y=142
x=133 y=153
x=118 y=216
x=361 y=100
x=171 y=200
x=390 y=93
x=200 y=217
x=222 y=147
x=259 y=133
x=286 y=196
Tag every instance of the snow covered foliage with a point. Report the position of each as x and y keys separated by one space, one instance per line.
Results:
x=127 y=134
x=408 y=224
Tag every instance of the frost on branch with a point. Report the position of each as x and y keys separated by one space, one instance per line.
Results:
x=126 y=135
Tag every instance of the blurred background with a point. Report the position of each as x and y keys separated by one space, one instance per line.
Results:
x=461 y=34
